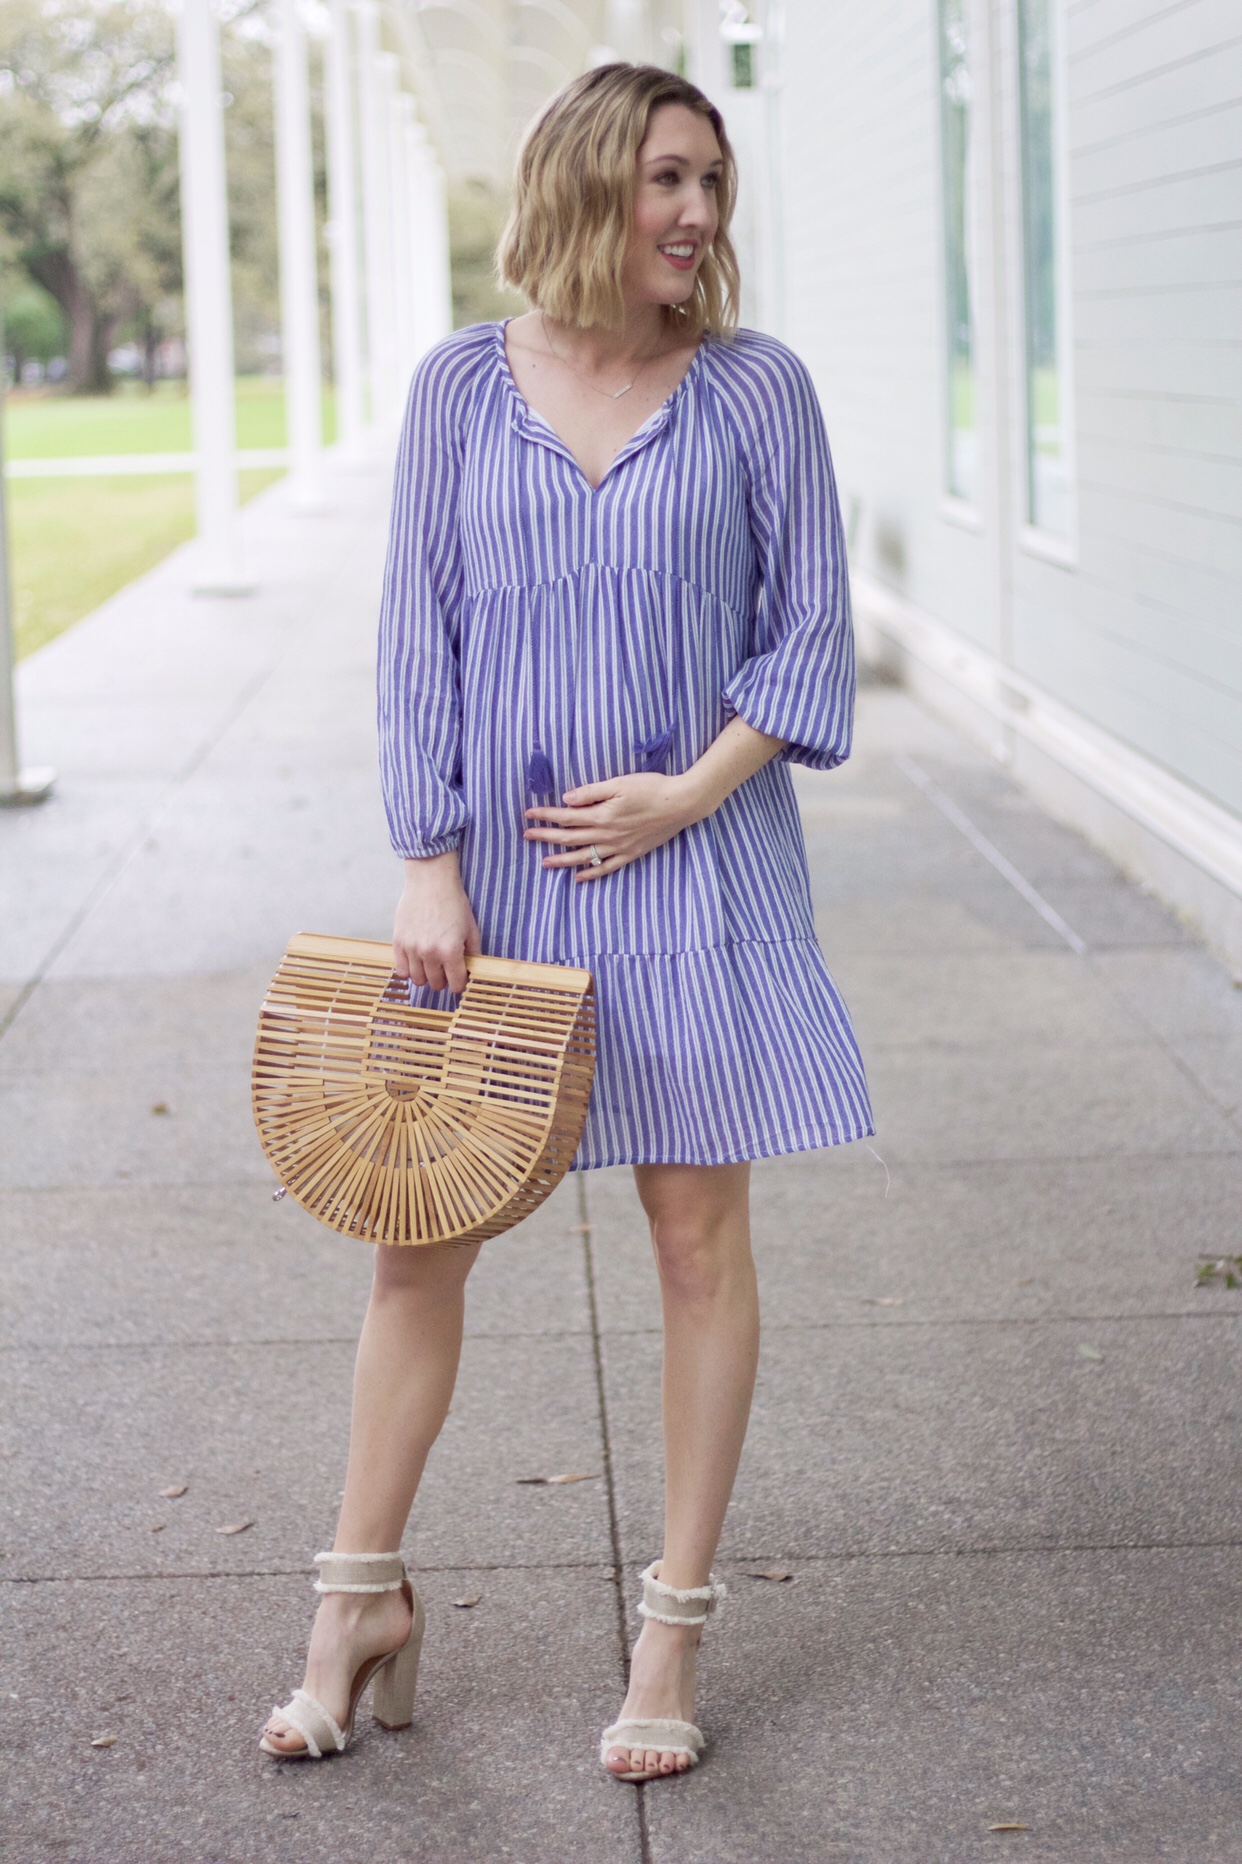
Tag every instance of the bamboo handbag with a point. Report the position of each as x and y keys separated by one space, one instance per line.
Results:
x=403 y=1125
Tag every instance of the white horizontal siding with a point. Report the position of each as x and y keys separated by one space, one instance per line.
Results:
x=1144 y=637
x=1155 y=151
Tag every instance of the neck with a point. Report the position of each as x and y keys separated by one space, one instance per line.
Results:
x=639 y=337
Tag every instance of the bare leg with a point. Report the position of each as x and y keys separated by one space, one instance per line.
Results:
x=700 y=1230
x=403 y=1385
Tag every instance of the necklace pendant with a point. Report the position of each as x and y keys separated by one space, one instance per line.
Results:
x=624 y=391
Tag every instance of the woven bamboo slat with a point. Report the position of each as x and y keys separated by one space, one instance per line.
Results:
x=403 y=1125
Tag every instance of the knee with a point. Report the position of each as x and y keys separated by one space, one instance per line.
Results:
x=402 y=1273
x=694 y=1260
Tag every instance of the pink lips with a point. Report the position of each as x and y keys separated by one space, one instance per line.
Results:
x=679 y=264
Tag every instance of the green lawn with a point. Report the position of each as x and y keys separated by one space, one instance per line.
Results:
x=74 y=542
x=39 y=426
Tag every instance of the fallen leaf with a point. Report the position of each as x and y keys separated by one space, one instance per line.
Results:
x=1009 y=1828
x=235 y=1527
x=543 y=1482
x=465 y=1604
x=777 y=1574
x=105 y=1741
x=161 y=1106
x=1090 y=1352
x=157 y=1527
x=174 y=1491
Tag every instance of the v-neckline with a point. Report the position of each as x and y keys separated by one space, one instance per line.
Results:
x=560 y=445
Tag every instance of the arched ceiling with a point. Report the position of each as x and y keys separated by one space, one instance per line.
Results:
x=482 y=68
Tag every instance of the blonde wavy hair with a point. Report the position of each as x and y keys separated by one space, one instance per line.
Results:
x=573 y=204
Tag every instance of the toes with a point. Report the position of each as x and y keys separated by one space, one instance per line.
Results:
x=287 y=1739
x=668 y=1763
x=683 y=1763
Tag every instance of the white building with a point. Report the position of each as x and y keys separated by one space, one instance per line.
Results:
x=1010 y=248
x=1007 y=237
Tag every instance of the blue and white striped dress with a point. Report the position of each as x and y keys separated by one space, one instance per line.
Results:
x=538 y=634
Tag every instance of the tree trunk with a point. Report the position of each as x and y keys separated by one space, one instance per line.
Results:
x=90 y=331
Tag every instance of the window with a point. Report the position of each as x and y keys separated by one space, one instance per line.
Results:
x=743 y=65
x=955 y=129
x=1048 y=462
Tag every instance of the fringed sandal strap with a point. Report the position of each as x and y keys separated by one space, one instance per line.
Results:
x=664 y=1737
x=673 y=1605
x=360 y=1572
x=312 y=1721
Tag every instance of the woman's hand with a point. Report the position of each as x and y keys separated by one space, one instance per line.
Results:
x=434 y=927
x=623 y=818
x=627 y=817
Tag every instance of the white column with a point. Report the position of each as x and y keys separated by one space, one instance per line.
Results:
x=376 y=216
x=16 y=785
x=442 y=293
x=414 y=153
x=400 y=112
x=343 y=246
x=299 y=284
x=433 y=317
x=208 y=301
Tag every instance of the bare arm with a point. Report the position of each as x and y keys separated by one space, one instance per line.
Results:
x=435 y=926
x=626 y=817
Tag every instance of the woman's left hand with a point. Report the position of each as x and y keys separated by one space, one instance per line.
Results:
x=622 y=819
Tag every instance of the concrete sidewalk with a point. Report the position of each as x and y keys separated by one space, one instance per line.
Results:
x=995 y=1440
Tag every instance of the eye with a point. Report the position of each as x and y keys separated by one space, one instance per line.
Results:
x=669 y=174
x=711 y=181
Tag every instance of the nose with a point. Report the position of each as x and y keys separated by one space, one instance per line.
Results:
x=696 y=215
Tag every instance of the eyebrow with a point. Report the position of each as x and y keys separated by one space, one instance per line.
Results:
x=717 y=161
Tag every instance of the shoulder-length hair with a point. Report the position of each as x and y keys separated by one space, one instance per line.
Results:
x=573 y=204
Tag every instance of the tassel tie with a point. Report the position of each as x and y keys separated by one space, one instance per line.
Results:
x=655 y=752
x=540 y=780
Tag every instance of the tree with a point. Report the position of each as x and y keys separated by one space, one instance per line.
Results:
x=78 y=83
x=33 y=326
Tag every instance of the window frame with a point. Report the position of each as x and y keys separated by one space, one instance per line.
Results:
x=1040 y=540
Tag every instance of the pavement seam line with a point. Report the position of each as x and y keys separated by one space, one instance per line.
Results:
x=610 y=1490
x=1023 y=1550
x=35 y=1347
x=915 y=774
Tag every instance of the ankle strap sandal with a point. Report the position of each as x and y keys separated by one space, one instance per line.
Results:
x=395 y=1672
x=668 y=1605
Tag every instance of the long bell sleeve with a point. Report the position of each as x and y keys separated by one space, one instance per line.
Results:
x=420 y=713
x=799 y=682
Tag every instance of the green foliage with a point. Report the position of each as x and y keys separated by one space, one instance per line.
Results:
x=1224 y=1271
x=89 y=178
x=87 y=87
x=34 y=326
x=476 y=215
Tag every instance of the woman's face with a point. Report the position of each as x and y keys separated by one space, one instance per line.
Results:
x=675 y=211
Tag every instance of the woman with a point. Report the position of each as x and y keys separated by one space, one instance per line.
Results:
x=616 y=610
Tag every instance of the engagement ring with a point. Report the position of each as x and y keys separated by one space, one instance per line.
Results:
x=597 y=859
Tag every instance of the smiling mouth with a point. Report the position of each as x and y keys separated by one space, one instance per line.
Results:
x=681 y=253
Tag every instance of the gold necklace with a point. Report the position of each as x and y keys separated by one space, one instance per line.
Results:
x=612 y=394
